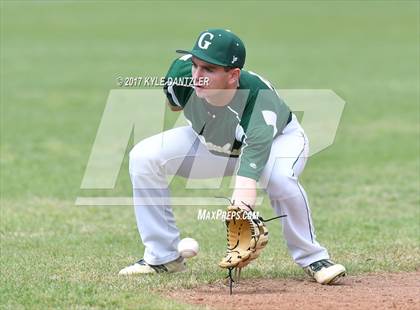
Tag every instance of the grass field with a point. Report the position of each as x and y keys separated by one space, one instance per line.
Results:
x=58 y=63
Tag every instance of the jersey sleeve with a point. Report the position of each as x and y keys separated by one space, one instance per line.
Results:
x=176 y=88
x=255 y=152
x=268 y=119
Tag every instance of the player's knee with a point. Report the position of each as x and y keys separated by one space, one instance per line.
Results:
x=143 y=158
x=282 y=186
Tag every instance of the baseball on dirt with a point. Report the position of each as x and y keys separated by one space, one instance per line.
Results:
x=188 y=247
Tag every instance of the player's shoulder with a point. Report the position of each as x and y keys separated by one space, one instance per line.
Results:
x=253 y=81
x=179 y=92
x=260 y=89
x=180 y=67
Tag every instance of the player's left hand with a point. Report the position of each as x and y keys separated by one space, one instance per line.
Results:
x=247 y=235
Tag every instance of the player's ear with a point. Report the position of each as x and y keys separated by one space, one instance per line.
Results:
x=234 y=75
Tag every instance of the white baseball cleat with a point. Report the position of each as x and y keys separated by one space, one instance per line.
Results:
x=325 y=271
x=141 y=267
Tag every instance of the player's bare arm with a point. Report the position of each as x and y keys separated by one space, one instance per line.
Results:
x=245 y=192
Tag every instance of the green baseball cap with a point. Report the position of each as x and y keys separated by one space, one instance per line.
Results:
x=219 y=47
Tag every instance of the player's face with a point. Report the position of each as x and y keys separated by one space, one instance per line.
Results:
x=218 y=78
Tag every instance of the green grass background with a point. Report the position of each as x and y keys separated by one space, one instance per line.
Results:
x=58 y=63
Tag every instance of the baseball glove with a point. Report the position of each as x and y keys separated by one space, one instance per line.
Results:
x=247 y=235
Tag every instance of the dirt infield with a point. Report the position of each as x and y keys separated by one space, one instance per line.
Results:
x=380 y=291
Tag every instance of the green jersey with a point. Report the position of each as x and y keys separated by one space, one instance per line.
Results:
x=244 y=128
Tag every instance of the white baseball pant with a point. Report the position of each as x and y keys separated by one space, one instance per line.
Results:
x=179 y=152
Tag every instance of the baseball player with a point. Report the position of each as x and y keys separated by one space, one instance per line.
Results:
x=239 y=126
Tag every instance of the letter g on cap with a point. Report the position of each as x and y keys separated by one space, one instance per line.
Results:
x=204 y=44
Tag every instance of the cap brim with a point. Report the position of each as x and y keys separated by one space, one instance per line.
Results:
x=200 y=55
x=184 y=52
